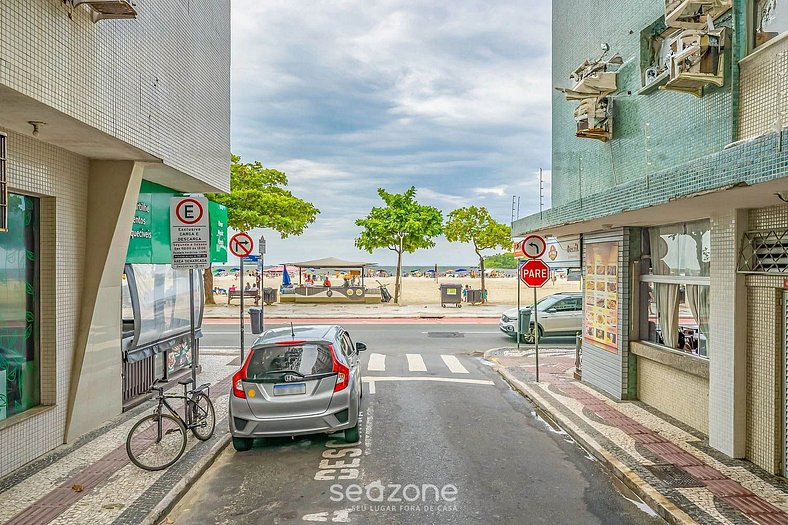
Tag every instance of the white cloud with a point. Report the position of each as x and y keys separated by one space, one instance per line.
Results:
x=346 y=97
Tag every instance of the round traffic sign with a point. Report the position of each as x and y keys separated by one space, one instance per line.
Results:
x=189 y=211
x=534 y=246
x=534 y=273
x=241 y=244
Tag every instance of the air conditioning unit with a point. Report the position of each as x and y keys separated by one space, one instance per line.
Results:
x=109 y=9
x=692 y=14
x=594 y=119
x=697 y=59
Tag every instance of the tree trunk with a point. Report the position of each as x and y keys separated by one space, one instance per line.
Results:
x=398 y=279
x=207 y=281
x=481 y=267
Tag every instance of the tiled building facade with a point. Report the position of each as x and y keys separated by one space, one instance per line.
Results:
x=692 y=180
x=113 y=102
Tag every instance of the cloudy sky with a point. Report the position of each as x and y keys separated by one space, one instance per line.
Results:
x=346 y=96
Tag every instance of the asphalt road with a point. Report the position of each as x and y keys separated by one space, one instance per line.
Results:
x=464 y=450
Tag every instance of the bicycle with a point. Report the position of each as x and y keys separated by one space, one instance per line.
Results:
x=159 y=439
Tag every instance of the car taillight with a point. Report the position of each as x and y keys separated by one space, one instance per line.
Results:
x=343 y=372
x=239 y=376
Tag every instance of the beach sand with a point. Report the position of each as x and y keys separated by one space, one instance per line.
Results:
x=424 y=290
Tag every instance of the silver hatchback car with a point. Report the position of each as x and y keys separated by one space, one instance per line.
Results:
x=300 y=380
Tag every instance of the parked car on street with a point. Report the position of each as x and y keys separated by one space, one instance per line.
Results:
x=299 y=380
x=559 y=314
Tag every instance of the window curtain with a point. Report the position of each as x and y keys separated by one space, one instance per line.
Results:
x=698 y=301
x=667 y=296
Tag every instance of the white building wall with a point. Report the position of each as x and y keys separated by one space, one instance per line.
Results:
x=59 y=178
x=159 y=83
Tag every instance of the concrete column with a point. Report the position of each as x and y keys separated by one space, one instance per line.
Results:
x=95 y=394
x=728 y=337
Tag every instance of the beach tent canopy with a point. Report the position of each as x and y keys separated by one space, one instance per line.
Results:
x=331 y=262
x=275 y=269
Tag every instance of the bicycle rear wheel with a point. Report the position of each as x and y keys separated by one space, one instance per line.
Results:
x=203 y=417
x=156 y=441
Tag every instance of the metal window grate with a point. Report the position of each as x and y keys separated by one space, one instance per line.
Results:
x=3 y=184
x=764 y=251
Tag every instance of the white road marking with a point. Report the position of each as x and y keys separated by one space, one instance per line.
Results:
x=454 y=364
x=427 y=378
x=371 y=387
x=416 y=363
x=377 y=362
x=486 y=333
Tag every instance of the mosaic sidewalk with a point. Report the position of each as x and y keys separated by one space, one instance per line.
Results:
x=670 y=466
x=93 y=481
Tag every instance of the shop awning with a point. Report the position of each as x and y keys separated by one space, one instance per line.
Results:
x=331 y=262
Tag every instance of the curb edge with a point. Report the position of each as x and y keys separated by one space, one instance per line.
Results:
x=159 y=512
x=653 y=498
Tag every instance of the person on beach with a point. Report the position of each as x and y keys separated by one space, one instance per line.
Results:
x=327 y=283
x=465 y=294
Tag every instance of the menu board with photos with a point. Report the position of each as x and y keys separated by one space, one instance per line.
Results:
x=601 y=295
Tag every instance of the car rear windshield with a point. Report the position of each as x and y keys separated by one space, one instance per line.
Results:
x=306 y=359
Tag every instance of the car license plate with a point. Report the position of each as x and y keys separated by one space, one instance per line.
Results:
x=290 y=389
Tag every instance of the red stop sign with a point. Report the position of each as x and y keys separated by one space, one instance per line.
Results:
x=535 y=273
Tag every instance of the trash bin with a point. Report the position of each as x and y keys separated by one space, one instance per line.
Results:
x=474 y=296
x=451 y=294
x=269 y=295
x=256 y=315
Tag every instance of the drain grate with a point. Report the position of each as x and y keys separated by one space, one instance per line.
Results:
x=446 y=335
x=674 y=477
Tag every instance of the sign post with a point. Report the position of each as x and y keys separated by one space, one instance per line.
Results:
x=261 y=290
x=241 y=246
x=534 y=273
x=189 y=242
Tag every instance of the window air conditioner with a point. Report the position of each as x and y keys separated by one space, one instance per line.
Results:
x=109 y=9
x=692 y=14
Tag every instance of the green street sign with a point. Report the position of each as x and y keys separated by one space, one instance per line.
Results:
x=149 y=242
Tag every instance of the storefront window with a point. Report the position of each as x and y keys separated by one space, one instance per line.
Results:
x=675 y=287
x=19 y=308
x=771 y=19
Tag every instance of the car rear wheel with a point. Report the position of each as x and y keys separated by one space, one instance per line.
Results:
x=242 y=444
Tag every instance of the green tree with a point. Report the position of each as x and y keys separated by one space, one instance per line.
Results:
x=259 y=198
x=403 y=225
x=476 y=226
x=504 y=260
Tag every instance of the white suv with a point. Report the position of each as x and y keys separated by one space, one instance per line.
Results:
x=559 y=314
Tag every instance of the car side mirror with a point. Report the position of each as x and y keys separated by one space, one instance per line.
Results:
x=361 y=347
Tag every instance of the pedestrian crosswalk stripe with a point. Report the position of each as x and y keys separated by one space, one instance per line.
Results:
x=454 y=364
x=416 y=363
x=377 y=363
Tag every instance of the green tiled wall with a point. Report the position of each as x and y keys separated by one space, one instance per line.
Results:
x=681 y=127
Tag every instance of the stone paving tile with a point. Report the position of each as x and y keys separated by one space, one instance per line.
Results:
x=735 y=492
x=107 y=486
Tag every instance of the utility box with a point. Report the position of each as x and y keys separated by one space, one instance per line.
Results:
x=451 y=294
x=474 y=296
x=269 y=295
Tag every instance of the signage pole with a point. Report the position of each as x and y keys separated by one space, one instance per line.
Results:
x=261 y=291
x=519 y=328
x=193 y=342
x=241 y=313
x=536 y=336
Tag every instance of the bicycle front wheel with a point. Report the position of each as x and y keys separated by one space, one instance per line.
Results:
x=156 y=441
x=203 y=417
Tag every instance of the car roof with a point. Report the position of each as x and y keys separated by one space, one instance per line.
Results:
x=315 y=332
x=568 y=294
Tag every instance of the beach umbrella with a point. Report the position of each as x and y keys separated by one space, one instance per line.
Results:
x=235 y=269
x=430 y=271
x=217 y=271
x=460 y=270
x=285 y=276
